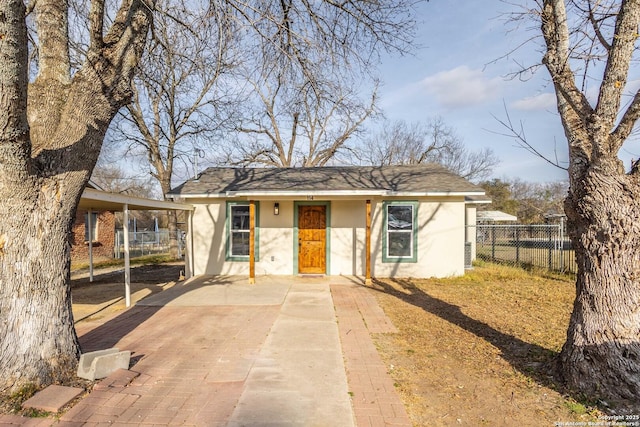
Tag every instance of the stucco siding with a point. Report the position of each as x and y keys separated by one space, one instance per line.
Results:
x=208 y=244
x=440 y=236
x=275 y=239
x=440 y=241
x=470 y=228
x=348 y=236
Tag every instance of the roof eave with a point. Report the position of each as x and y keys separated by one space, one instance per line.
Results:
x=336 y=193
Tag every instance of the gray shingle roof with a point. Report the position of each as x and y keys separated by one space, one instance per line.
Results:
x=424 y=178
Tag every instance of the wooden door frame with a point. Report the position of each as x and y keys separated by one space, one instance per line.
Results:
x=296 y=206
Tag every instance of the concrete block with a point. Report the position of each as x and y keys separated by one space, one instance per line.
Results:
x=99 y=364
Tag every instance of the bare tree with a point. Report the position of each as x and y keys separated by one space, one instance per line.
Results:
x=298 y=123
x=177 y=93
x=53 y=128
x=303 y=100
x=400 y=143
x=114 y=179
x=538 y=200
x=531 y=202
x=591 y=45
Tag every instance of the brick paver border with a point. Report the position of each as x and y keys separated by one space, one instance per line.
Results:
x=374 y=398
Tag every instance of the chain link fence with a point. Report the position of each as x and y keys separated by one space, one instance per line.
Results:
x=529 y=246
x=143 y=243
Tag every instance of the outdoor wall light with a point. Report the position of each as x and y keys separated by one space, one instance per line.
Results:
x=276 y=208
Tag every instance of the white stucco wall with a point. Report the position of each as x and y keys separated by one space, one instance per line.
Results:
x=440 y=251
x=348 y=236
x=276 y=239
x=441 y=236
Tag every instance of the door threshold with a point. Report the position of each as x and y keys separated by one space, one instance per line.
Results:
x=311 y=275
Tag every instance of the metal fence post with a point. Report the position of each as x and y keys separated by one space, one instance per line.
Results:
x=562 y=244
x=518 y=245
x=550 y=249
x=493 y=244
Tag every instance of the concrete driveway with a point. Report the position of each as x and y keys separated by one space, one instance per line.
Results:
x=216 y=351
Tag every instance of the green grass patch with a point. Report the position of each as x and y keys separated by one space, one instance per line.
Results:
x=576 y=407
x=12 y=403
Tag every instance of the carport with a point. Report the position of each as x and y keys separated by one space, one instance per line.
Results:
x=94 y=200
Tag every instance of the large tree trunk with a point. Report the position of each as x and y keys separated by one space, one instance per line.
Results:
x=174 y=248
x=602 y=354
x=39 y=343
x=164 y=176
x=44 y=166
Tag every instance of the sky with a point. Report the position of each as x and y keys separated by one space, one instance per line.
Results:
x=457 y=74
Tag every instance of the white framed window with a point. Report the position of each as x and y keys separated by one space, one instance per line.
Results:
x=238 y=231
x=400 y=234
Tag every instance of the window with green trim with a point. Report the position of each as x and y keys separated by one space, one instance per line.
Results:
x=239 y=230
x=237 y=227
x=400 y=233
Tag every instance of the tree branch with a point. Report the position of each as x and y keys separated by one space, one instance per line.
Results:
x=96 y=21
x=520 y=136
x=596 y=28
x=617 y=67
x=628 y=121
x=15 y=148
x=53 y=40
x=556 y=35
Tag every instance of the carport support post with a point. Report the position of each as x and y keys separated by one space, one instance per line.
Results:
x=367 y=274
x=252 y=242
x=189 y=255
x=90 y=234
x=127 y=265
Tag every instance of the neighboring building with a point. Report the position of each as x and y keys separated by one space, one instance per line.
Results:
x=492 y=217
x=104 y=227
x=102 y=222
x=390 y=221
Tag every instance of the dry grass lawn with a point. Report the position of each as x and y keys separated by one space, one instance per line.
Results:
x=477 y=350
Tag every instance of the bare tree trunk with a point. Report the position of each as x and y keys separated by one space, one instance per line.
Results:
x=174 y=252
x=602 y=353
x=39 y=343
x=44 y=166
x=601 y=358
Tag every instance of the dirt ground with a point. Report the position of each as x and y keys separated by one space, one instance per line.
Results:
x=106 y=294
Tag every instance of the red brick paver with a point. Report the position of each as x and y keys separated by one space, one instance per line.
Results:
x=191 y=364
x=375 y=400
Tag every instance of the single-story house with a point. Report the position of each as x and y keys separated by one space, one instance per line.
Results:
x=387 y=221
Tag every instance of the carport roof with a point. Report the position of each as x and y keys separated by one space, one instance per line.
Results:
x=104 y=201
x=416 y=180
